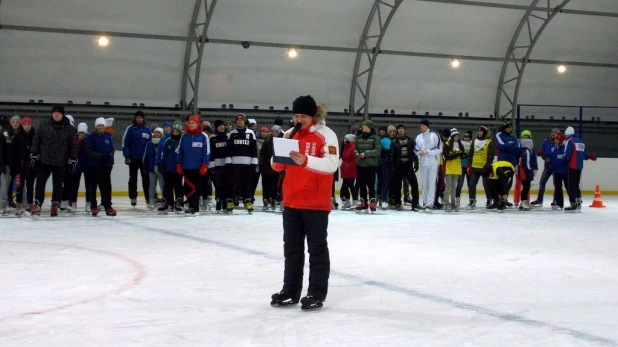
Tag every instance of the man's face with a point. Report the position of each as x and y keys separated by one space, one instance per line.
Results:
x=139 y=119
x=228 y=126
x=423 y=128
x=253 y=126
x=57 y=116
x=27 y=127
x=240 y=122
x=508 y=129
x=401 y=132
x=303 y=119
x=365 y=129
x=221 y=128
x=15 y=124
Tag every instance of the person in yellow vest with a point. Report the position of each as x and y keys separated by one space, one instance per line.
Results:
x=481 y=153
x=453 y=151
x=499 y=175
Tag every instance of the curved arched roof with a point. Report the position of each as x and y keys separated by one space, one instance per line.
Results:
x=57 y=67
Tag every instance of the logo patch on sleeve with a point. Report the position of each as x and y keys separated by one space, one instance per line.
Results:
x=332 y=150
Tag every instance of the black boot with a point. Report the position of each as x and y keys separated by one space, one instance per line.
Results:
x=282 y=299
x=310 y=302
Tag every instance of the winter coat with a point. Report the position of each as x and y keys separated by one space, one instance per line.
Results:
x=150 y=155
x=508 y=148
x=83 y=163
x=21 y=152
x=266 y=155
x=167 y=158
x=575 y=153
x=135 y=139
x=160 y=147
x=348 y=161
x=241 y=148
x=548 y=147
x=453 y=157
x=193 y=151
x=557 y=163
x=481 y=153
x=527 y=164
x=99 y=149
x=369 y=144
x=218 y=149
x=55 y=142
x=429 y=141
x=309 y=187
x=401 y=154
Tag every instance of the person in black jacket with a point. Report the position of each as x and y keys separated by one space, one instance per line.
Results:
x=24 y=175
x=404 y=163
x=4 y=171
x=270 y=177
x=53 y=150
x=241 y=159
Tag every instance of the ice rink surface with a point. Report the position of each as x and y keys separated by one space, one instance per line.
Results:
x=542 y=278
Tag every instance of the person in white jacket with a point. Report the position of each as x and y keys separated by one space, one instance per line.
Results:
x=428 y=148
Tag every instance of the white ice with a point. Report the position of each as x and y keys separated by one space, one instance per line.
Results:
x=543 y=278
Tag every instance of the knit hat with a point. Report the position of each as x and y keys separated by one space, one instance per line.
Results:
x=400 y=125
x=194 y=118
x=227 y=122
x=71 y=119
x=242 y=115
x=99 y=121
x=177 y=126
x=160 y=130
x=506 y=124
x=218 y=123
x=58 y=108
x=139 y=113
x=454 y=132
x=526 y=133
x=15 y=118
x=278 y=121
x=276 y=128
x=251 y=121
x=391 y=128
x=262 y=129
x=205 y=123
x=424 y=121
x=350 y=137
x=167 y=124
x=368 y=123
x=305 y=105
x=109 y=122
x=569 y=131
x=555 y=131
x=26 y=120
x=82 y=128
x=484 y=130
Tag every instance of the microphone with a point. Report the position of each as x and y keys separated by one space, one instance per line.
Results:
x=294 y=130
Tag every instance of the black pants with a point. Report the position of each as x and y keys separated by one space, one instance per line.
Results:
x=77 y=179
x=192 y=188
x=269 y=186
x=240 y=181
x=43 y=172
x=296 y=225
x=100 y=176
x=440 y=185
x=172 y=186
x=473 y=182
x=560 y=179
x=573 y=177
x=366 y=181
x=67 y=186
x=525 y=188
x=206 y=190
x=397 y=181
x=347 y=190
x=27 y=181
x=380 y=179
x=136 y=165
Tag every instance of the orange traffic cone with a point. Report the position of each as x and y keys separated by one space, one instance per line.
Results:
x=598 y=202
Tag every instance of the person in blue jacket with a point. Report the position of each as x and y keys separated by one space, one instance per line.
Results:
x=166 y=162
x=547 y=153
x=99 y=148
x=527 y=168
x=134 y=141
x=559 y=169
x=574 y=156
x=192 y=159
x=149 y=163
x=508 y=148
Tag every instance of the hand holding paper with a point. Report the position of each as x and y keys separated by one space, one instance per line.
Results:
x=283 y=149
x=298 y=158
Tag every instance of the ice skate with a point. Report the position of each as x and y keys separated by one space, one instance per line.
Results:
x=54 y=209
x=4 y=211
x=36 y=209
x=508 y=204
x=164 y=209
x=178 y=205
x=362 y=207
x=489 y=203
x=248 y=206
x=310 y=302
x=573 y=208
x=494 y=205
x=266 y=204
x=282 y=299
x=273 y=205
x=502 y=206
x=18 y=210
x=110 y=212
x=537 y=203
x=346 y=204
x=64 y=205
x=218 y=205
x=94 y=212
x=524 y=206
x=447 y=207
x=191 y=211
x=372 y=205
x=229 y=206
x=471 y=205
x=133 y=202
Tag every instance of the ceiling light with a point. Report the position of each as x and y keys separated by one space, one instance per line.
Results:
x=103 y=41
x=562 y=68
x=455 y=63
x=292 y=53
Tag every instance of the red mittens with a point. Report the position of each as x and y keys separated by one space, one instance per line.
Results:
x=203 y=169
x=592 y=157
x=179 y=169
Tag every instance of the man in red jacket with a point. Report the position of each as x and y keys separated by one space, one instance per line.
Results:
x=307 y=192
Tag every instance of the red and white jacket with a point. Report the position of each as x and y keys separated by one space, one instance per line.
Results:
x=309 y=187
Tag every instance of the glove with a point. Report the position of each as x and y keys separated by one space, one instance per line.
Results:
x=34 y=160
x=156 y=170
x=592 y=157
x=72 y=165
x=540 y=153
x=203 y=169
x=179 y=169
x=127 y=161
x=469 y=170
